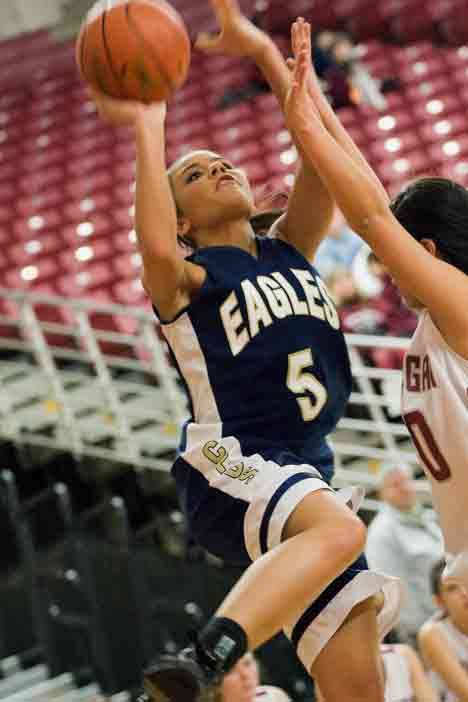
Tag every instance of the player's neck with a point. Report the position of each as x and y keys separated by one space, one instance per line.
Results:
x=236 y=233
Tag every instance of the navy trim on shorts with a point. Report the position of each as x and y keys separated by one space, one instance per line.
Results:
x=284 y=487
x=327 y=596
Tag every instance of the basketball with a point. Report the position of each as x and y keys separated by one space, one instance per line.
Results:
x=134 y=49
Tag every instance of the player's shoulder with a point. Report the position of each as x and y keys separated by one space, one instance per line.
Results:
x=432 y=631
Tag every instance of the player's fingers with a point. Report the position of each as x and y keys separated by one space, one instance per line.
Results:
x=291 y=64
x=302 y=67
x=302 y=31
x=294 y=36
x=224 y=10
x=206 y=41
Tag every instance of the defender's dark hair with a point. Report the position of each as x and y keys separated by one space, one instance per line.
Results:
x=435 y=576
x=437 y=209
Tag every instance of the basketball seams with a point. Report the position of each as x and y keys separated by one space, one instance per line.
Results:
x=108 y=53
x=118 y=51
x=82 y=48
x=149 y=49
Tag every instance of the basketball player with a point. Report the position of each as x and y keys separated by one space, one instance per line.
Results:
x=422 y=239
x=258 y=343
x=443 y=640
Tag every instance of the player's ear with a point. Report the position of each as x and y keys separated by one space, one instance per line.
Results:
x=430 y=246
x=438 y=602
x=184 y=226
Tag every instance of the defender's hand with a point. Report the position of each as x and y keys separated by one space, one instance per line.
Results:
x=237 y=35
x=300 y=110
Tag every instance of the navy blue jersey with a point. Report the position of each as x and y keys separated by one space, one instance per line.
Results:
x=261 y=352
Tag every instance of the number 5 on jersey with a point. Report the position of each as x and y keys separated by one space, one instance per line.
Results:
x=301 y=381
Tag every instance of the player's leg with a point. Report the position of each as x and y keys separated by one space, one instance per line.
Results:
x=322 y=537
x=349 y=666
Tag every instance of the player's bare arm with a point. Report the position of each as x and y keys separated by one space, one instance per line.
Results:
x=423 y=690
x=440 y=657
x=437 y=285
x=300 y=36
x=303 y=225
x=167 y=278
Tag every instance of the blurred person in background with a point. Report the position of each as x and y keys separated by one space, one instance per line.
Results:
x=443 y=640
x=242 y=684
x=404 y=540
x=339 y=247
x=404 y=676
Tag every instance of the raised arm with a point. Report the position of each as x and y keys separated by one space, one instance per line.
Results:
x=365 y=206
x=300 y=37
x=167 y=278
x=310 y=208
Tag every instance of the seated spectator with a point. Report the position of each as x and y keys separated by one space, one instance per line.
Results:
x=358 y=315
x=404 y=675
x=322 y=45
x=404 y=540
x=443 y=640
x=242 y=684
x=339 y=247
x=383 y=296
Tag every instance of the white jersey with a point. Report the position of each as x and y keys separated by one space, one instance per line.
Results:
x=398 y=687
x=435 y=409
x=459 y=645
x=268 y=693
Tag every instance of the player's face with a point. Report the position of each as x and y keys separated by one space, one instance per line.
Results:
x=398 y=490
x=209 y=190
x=453 y=599
x=240 y=684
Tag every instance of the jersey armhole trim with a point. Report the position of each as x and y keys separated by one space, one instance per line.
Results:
x=186 y=308
x=444 y=343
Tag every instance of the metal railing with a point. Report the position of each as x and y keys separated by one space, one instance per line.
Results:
x=83 y=385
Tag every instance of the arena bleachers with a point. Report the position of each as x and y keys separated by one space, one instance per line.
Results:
x=66 y=179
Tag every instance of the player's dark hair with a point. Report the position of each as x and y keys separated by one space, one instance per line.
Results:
x=435 y=576
x=261 y=223
x=437 y=209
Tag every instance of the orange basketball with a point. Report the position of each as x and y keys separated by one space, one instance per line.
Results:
x=134 y=49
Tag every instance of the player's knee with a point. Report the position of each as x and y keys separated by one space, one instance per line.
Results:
x=348 y=536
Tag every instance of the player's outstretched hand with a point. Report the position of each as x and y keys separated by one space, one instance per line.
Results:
x=125 y=113
x=237 y=35
x=300 y=37
x=300 y=110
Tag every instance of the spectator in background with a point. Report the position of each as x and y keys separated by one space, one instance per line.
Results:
x=242 y=684
x=339 y=248
x=405 y=678
x=404 y=541
x=322 y=58
x=443 y=640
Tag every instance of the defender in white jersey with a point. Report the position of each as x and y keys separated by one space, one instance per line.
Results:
x=422 y=238
x=435 y=409
x=443 y=640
